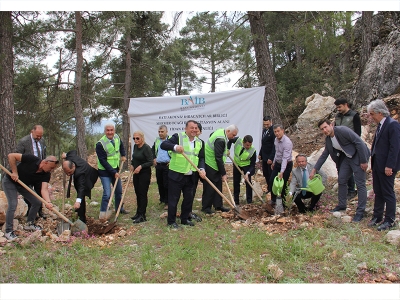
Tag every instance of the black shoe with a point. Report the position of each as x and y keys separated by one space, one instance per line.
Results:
x=223 y=209
x=135 y=216
x=193 y=216
x=385 y=225
x=174 y=226
x=374 y=222
x=358 y=217
x=338 y=208
x=139 y=219
x=208 y=211
x=351 y=195
x=123 y=211
x=41 y=215
x=188 y=223
x=272 y=203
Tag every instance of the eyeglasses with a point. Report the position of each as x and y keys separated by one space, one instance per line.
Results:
x=54 y=161
x=136 y=138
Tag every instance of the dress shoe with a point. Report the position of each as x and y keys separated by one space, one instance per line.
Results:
x=385 y=225
x=193 y=216
x=351 y=195
x=174 y=226
x=338 y=208
x=139 y=219
x=358 y=217
x=208 y=211
x=223 y=209
x=374 y=222
x=188 y=223
x=123 y=211
x=135 y=216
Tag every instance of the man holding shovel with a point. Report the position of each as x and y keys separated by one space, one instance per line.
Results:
x=181 y=174
x=110 y=151
x=245 y=159
x=32 y=171
x=84 y=176
x=216 y=152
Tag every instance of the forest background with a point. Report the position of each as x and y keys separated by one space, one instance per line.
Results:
x=104 y=58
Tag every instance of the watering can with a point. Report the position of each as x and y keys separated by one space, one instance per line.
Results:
x=315 y=185
x=277 y=185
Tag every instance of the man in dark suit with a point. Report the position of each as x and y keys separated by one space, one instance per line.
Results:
x=84 y=176
x=267 y=150
x=351 y=155
x=385 y=162
x=34 y=144
x=181 y=173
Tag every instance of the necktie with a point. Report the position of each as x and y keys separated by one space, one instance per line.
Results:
x=38 y=150
x=112 y=142
x=69 y=186
x=241 y=151
x=304 y=183
x=264 y=133
x=378 y=129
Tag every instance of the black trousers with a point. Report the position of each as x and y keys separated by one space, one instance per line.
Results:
x=162 y=181
x=286 y=175
x=300 y=205
x=267 y=171
x=82 y=211
x=236 y=186
x=211 y=196
x=141 y=183
x=174 y=193
x=29 y=204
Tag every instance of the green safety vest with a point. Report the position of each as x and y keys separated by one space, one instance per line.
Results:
x=178 y=162
x=243 y=159
x=209 y=148
x=157 y=143
x=113 y=155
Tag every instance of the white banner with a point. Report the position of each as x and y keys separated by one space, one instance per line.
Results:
x=243 y=107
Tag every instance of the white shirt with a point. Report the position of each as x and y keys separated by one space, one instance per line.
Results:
x=35 y=152
x=337 y=146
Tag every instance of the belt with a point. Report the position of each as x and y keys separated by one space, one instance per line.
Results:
x=279 y=162
x=162 y=163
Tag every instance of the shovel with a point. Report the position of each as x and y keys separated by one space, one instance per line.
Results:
x=240 y=213
x=113 y=224
x=77 y=226
x=241 y=172
x=63 y=226
x=108 y=211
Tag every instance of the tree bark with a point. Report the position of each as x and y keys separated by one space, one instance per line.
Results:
x=80 y=122
x=265 y=69
x=7 y=132
x=127 y=92
x=366 y=39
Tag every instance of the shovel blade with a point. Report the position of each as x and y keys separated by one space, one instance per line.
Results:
x=241 y=214
x=78 y=226
x=61 y=227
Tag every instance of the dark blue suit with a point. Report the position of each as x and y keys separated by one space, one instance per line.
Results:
x=385 y=154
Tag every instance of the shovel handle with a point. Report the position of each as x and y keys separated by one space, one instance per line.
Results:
x=241 y=172
x=123 y=195
x=37 y=196
x=208 y=180
x=114 y=187
x=229 y=190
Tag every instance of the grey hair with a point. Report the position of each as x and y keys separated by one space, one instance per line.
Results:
x=232 y=127
x=108 y=125
x=163 y=127
x=378 y=106
x=301 y=155
x=278 y=126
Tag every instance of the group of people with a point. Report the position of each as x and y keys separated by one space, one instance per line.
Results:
x=181 y=160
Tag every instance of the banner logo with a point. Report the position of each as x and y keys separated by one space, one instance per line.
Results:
x=195 y=103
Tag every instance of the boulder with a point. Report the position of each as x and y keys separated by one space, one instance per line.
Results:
x=15 y=225
x=20 y=212
x=318 y=108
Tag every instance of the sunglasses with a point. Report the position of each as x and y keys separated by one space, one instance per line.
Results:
x=54 y=161
x=136 y=138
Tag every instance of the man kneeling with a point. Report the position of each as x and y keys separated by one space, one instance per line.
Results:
x=300 y=177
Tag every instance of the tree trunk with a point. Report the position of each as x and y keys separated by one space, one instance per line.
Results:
x=7 y=132
x=127 y=92
x=80 y=122
x=264 y=66
x=366 y=39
